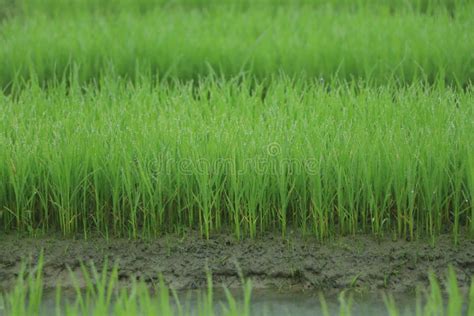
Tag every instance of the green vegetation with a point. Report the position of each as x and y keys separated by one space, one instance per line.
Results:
x=101 y=294
x=137 y=118
x=214 y=155
x=53 y=7
x=377 y=41
x=140 y=118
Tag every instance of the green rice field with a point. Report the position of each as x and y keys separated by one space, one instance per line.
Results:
x=378 y=41
x=311 y=120
x=215 y=155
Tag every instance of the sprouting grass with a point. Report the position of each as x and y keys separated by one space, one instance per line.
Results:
x=58 y=7
x=101 y=294
x=139 y=118
x=378 y=41
x=146 y=159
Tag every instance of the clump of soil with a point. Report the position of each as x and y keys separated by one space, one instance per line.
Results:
x=293 y=263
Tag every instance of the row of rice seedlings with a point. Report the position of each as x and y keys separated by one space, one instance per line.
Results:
x=324 y=42
x=61 y=7
x=150 y=159
x=434 y=301
x=99 y=293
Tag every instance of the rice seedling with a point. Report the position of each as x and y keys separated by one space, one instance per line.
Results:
x=102 y=295
x=55 y=8
x=148 y=159
x=377 y=41
x=433 y=301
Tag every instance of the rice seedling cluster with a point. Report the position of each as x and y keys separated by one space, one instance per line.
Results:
x=376 y=41
x=214 y=155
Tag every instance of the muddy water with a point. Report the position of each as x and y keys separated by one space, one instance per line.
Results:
x=293 y=263
x=273 y=303
x=278 y=303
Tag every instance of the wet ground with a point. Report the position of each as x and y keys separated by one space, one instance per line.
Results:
x=295 y=263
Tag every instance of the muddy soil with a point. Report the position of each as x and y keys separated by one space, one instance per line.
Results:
x=293 y=263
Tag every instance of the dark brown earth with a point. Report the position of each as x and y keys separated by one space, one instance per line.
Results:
x=293 y=263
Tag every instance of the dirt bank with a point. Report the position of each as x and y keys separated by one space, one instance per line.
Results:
x=272 y=262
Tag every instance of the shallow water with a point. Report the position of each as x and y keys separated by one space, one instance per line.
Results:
x=277 y=303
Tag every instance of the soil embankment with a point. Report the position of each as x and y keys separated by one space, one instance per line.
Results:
x=271 y=262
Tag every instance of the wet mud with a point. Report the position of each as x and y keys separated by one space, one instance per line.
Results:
x=292 y=263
